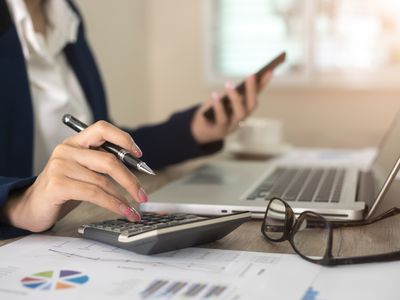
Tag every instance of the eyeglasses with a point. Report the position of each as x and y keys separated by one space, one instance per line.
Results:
x=328 y=243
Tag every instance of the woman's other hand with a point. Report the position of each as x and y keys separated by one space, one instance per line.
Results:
x=204 y=131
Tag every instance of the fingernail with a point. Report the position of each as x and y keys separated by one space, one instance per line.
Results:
x=143 y=196
x=130 y=213
x=137 y=150
x=215 y=96
x=134 y=215
x=252 y=77
x=229 y=85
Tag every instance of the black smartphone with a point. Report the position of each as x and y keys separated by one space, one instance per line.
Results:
x=241 y=88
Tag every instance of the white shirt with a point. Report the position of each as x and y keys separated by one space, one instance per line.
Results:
x=54 y=87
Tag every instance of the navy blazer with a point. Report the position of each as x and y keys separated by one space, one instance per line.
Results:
x=162 y=144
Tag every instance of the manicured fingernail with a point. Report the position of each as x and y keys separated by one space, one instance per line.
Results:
x=215 y=96
x=143 y=196
x=134 y=215
x=137 y=150
x=229 y=85
x=130 y=213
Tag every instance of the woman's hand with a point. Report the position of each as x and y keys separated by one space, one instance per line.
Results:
x=205 y=132
x=75 y=171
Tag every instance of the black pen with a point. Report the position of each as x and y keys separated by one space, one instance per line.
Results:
x=122 y=154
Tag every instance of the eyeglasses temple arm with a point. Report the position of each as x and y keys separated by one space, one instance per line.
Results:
x=362 y=259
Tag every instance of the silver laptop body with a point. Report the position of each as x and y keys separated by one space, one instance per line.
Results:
x=340 y=194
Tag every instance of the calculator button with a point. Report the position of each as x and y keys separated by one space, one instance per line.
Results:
x=162 y=225
x=147 y=228
x=173 y=223
x=151 y=223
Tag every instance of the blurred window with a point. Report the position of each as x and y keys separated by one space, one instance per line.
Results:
x=326 y=40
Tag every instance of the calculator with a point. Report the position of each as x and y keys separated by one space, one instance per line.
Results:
x=157 y=233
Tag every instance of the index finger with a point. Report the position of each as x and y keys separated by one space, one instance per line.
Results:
x=251 y=94
x=264 y=80
x=100 y=132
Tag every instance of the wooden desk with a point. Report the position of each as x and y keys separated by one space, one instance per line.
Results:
x=247 y=237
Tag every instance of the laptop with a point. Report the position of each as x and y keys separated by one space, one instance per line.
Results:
x=339 y=193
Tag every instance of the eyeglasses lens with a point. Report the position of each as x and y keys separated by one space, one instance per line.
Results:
x=310 y=237
x=275 y=220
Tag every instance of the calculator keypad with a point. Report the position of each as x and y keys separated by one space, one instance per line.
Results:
x=149 y=221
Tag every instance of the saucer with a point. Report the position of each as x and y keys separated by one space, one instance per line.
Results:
x=252 y=152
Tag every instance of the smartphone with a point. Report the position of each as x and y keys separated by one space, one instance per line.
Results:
x=241 y=88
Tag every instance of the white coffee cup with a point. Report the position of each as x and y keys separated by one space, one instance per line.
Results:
x=259 y=134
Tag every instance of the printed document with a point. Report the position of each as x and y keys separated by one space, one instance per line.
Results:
x=48 y=267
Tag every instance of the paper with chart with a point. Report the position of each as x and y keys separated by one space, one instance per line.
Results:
x=366 y=281
x=46 y=267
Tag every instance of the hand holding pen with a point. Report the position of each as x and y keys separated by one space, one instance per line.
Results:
x=128 y=159
x=74 y=173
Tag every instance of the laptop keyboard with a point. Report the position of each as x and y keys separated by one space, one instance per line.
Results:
x=301 y=184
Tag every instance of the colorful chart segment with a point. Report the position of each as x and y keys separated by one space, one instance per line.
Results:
x=51 y=280
x=310 y=294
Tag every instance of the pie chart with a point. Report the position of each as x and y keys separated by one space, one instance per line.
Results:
x=55 y=280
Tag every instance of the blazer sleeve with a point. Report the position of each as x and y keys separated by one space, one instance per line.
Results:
x=7 y=185
x=171 y=142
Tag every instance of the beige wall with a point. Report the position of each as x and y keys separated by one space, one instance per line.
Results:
x=117 y=33
x=163 y=60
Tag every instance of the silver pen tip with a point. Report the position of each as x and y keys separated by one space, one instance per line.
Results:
x=66 y=118
x=145 y=168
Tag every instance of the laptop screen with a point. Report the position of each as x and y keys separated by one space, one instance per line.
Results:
x=385 y=165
